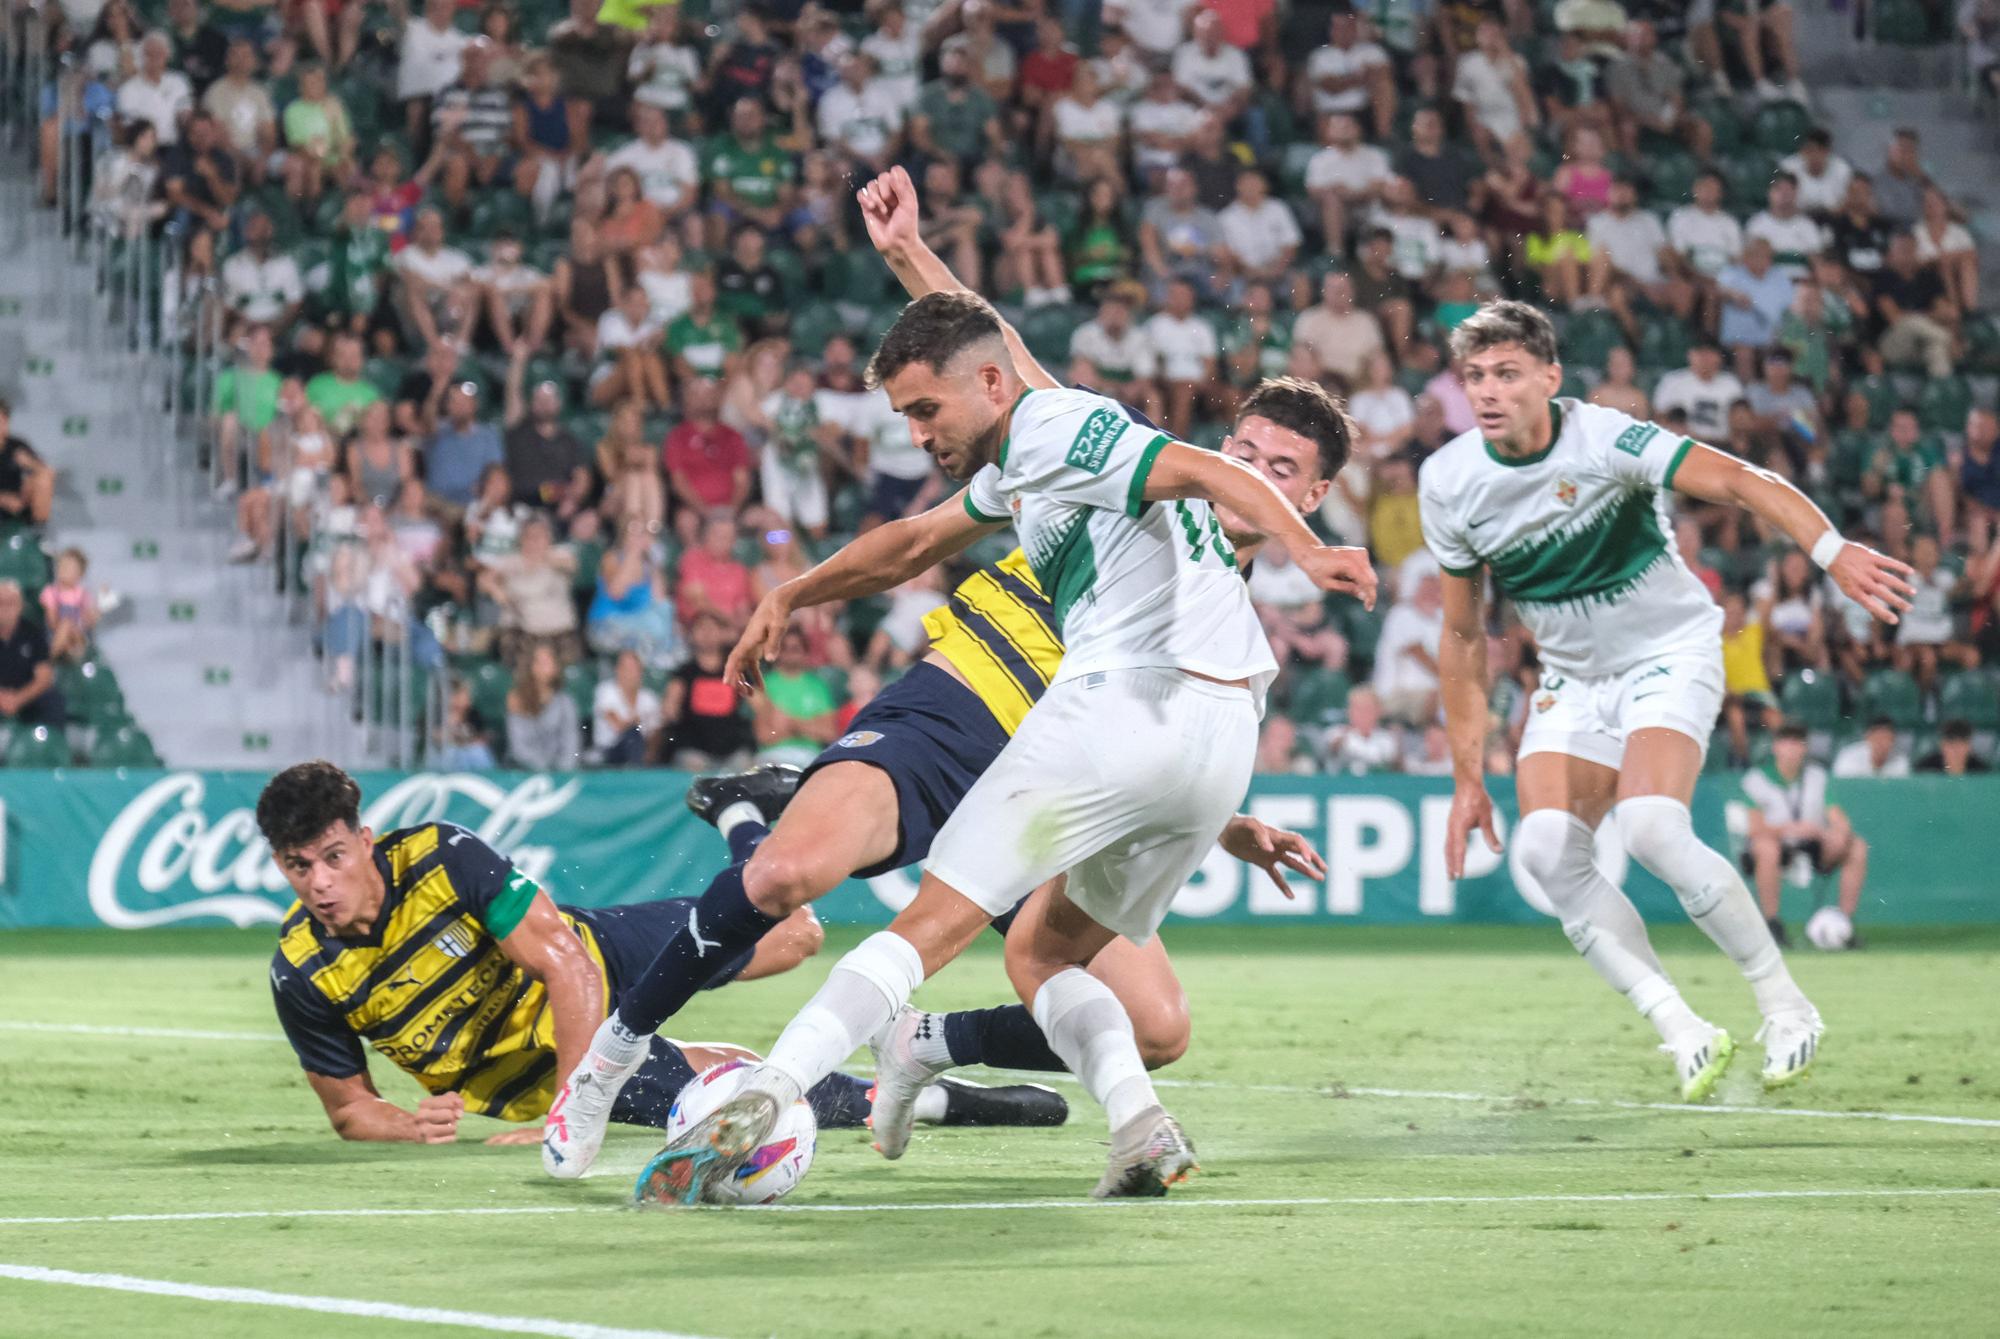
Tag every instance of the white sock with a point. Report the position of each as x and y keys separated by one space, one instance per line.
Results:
x=862 y=992
x=1660 y=836
x=616 y=1048
x=930 y=1105
x=741 y=811
x=1089 y=1029
x=929 y=1047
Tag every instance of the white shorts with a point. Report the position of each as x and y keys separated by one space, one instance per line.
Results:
x=1591 y=718
x=797 y=495
x=1123 y=778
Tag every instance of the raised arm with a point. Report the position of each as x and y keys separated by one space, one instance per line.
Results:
x=1875 y=581
x=1462 y=672
x=889 y=207
x=1183 y=471
x=879 y=560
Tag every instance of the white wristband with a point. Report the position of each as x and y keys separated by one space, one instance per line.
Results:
x=1828 y=548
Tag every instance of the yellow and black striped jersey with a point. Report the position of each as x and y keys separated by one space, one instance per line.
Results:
x=1001 y=633
x=429 y=988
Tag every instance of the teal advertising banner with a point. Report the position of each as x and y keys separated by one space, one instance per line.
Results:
x=132 y=850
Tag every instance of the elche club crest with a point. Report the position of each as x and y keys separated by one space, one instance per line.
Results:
x=1566 y=492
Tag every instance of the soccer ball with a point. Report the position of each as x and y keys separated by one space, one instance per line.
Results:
x=775 y=1168
x=1829 y=930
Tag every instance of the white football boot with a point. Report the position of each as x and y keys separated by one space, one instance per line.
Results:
x=573 y=1132
x=1148 y=1154
x=1791 y=1044
x=1700 y=1060
x=899 y=1077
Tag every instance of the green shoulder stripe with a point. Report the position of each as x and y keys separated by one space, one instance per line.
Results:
x=1673 y=466
x=505 y=913
x=977 y=514
x=1135 y=496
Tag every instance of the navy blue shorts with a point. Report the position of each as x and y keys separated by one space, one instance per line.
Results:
x=631 y=936
x=934 y=737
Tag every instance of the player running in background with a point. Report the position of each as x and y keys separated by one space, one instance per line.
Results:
x=430 y=946
x=1123 y=774
x=873 y=801
x=1560 y=502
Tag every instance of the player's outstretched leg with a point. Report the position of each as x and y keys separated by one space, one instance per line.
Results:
x=1556 y=849
x=1660 y=835
x=721 y=925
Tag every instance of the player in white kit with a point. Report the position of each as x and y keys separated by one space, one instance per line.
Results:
x=1562 y=503
x=1125 y=771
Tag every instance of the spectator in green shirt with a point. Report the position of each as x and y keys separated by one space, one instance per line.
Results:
x=751 y=176
x=340 y=393
x=1908 y=479
x=955 y=118
x=246 y=400
x=319 y=136
x=351 y=291
x=797 y=716
x=703 y=340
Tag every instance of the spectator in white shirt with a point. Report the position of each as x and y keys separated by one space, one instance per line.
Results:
x=1189 y=361
x=897 y=50
x=860 y=117
x=1086 y=129
x=1873 y=755
x=431 y=283
x=1629 y=257
x=156 y=94
x=1350 y=76
x=1156 y=27
x=1259 y=234
x=1795 y=239
x=427 y=63
x=1210 y=71
x=262 y=285
x=1162 y=124
x=1492 y=85
x=1365 y=744
x=1344 y=175
x=1822 y=174
x=1943 y=241
x=1121 y=67
x=1706 y=240
x=668 y=172
x=1702 y=391
x=1111 y=354
x=624 y=715
x=665 y=71
x=1406 y=665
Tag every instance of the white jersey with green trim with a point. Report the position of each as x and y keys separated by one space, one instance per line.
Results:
x=1135 y=584
x=1802 y=800
x=1577 y=536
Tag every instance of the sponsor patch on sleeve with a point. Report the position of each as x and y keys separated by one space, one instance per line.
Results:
x=1094 y=440
x=1633 y=440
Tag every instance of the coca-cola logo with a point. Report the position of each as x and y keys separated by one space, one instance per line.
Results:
x=163 y=843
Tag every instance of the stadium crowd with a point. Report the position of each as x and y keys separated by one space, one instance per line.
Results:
x=546 y=326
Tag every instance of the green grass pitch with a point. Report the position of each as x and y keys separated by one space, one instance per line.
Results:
x=1441 y=1106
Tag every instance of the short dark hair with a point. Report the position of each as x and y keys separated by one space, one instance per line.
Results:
x=1880 y=723
x=303 y=801
x=1784 y=176
x=933 y=330
x=1307 y=409
x=1955 y=729
x=1791 y=730
x=1818 y=136
x=1505 y=322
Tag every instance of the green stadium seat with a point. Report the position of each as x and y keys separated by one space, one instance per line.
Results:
x=40 y=747
x=814 y=324
x=1882 y=396
x=791 y=273
x=1748 y=175
x=1892 y=693
x=1292 y=167
x=1780 y=127
x=1590 y=338
x=491 y=683
x=1362 y=626
x=580 y=682
x=1972 y=696
x=1724 y=121
x=1943 y=404
x=127 y=746
x=1664 y=344
x=1982 y=342
x=1904 y=23
x=385 y=374
x=1670 y=178
x=858 y=278
x=1319 y=697
x=22 y=559
x=1047 y=330
x=1813 y=700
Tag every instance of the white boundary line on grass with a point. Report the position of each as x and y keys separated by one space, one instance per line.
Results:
x=1177 y=1202
x=1412 y=1094
x=334 y=1306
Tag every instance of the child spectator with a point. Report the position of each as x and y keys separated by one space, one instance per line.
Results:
x=69 y=609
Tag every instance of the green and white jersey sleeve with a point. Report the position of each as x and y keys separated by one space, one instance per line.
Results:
x=1579 y=537
x=1134 y=584
x=1805 y=800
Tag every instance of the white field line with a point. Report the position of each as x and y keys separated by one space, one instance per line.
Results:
x=1406 y=1094
x=333 y=1306
x=1175 y=1202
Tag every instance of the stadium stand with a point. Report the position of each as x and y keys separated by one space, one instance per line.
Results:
x=513 y=338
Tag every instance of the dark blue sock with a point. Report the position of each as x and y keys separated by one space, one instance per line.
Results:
x=723 y=926
x=744 y=839
x=839 y=1101
x=1005 y=1038
x=649 y=1095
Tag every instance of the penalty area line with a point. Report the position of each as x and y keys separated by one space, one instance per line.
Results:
x=332 y=1306
x=975 y=1206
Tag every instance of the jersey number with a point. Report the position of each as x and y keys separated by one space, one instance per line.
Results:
x=1200 y=537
